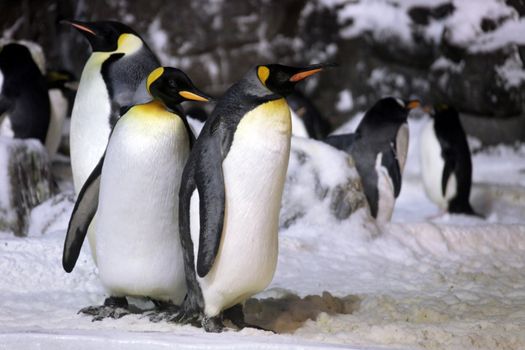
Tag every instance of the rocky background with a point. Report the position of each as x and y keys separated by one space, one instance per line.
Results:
x=467 y=53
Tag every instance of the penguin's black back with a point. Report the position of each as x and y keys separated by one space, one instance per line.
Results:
x=26 y=89
x=456 y=155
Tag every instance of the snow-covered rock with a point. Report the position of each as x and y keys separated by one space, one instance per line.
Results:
x=322 y=183
x=25 y=181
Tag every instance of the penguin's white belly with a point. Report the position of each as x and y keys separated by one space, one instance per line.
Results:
x=90 y=126
x=138 y=245
x=385 y=192
x=254 y=175
x=432 y=165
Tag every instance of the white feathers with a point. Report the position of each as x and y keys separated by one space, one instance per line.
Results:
x=254 y=174
x=138 y=245
x=401 y=102
x=385 y=192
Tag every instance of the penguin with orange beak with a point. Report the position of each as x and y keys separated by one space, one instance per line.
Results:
x=231 y=193
x=379 y=147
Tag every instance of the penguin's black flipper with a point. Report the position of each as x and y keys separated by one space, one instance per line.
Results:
x=390 y=162
x=210 y=185
x=450 y=164
x=83 y=212
x=342 y=142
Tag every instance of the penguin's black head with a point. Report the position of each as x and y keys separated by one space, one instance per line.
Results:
x=444 y=112
x=395 y=109
x=105 y=36
x=282 y=79
x=172 y=86
x=15 y=56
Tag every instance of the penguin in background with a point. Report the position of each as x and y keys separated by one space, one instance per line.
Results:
x=24 y=94
x=231 y=194
x=307 y=120
x=379 y=147
x=446 y=164
x=113 y=77
x=134 y=191
x=60 y=84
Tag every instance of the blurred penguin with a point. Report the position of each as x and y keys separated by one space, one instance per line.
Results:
x=24 y=96
x=307 y=120
x=379 y=147
x=446 y=164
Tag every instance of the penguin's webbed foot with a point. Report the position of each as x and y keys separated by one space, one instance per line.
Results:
x=164 y=311
x=212 y=324
x=114 y=307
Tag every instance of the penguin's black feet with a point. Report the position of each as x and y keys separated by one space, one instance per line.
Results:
x=236 y=315
x=212 y=324
x=114 y=307
x=164 y=311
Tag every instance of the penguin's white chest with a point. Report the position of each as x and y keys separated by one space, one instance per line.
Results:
x=254 y=175
x=138 y=244
x=432 y=165
x=90 y=126
x=385 y=192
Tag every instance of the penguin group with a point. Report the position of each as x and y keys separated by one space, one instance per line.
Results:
x=188 y=218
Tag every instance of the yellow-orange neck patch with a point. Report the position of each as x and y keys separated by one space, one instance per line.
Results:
x=154 y=75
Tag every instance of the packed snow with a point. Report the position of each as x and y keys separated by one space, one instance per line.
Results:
x=452 y=282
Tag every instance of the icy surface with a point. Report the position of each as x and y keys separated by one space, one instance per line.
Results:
x=450 y=283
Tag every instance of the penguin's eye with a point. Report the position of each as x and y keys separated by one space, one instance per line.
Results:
x=172 y=84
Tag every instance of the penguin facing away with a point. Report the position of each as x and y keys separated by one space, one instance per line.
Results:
x=231 y=192
x=138 y=251
x=379 y=147
x=24 y=93
x=446 y=165
x=113 y=77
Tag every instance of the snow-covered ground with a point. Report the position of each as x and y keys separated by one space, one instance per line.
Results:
x=450 y=283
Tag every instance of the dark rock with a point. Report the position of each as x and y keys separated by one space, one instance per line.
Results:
x=27 y=180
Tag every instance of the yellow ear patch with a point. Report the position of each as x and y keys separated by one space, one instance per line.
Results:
x=128 y=43
x=154 y=75
x=191 y=96
x=263 y=73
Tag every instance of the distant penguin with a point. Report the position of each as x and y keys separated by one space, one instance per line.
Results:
x=59 y=83
x=134 y=191
x=114 y=77
x=446 y=164
x=231 y=193
x=379 y=147
x=307 y=120
x=24 y=95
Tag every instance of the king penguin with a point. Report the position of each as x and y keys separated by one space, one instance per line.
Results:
x=114 y=77
x=379 y=147
x=446 y=165
x=231 y=194
x=138 y=251
x=24 y=96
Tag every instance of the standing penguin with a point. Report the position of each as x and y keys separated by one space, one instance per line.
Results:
x=379 y=147
x=446 y=165
x=231 y=189
x=24 y=93
x=138 y=246
x=307 y=120
x=114 y=77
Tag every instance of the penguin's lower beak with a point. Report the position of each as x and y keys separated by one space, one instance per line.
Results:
x=81 y=26
x=305 y=72
x=195 y=95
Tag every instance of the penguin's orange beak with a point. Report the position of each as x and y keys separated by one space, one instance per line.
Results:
x=80 y=26
x=308 y=71
x=413 y=104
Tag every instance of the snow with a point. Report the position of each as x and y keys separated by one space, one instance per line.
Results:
x=448 y=283
x=345 y=101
